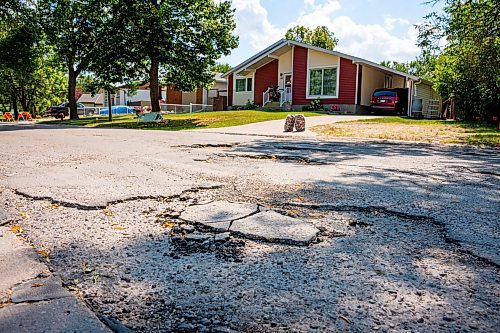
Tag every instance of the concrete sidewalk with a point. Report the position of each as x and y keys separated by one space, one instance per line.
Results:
x=32 y=299
x=275 y=127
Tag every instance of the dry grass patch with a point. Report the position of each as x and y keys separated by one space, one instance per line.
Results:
x=430 y=131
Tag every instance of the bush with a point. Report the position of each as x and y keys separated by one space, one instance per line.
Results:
x=315 y=105
x=251 y=105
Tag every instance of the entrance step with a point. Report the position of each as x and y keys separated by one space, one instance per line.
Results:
x=272 y=105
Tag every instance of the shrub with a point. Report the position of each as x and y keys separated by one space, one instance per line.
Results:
x=315 y=105
x=274 y=93
x=251 y=105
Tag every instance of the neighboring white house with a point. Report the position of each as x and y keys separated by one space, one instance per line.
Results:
x=93 y=101
x=216 y=95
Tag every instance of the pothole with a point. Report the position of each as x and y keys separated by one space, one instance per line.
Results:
x=208 y=145
x=247 y=221
x=276 y=157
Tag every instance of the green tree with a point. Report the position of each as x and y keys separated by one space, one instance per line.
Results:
x=424 y=65
x=321 y=36
x=221 y=68
x=176 y=42
x=467 y=68
x=29 y=76
x=73 y=28
x=299 y=34
x=85 y=83
x=324 y=38
x=117 y=64
x=399 y=66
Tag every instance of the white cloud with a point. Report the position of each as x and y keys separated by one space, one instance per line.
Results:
x=390 y=22
x=394 y=39
x=253 y=26
x=374 y=41
x=309 y=3
x=318 y=14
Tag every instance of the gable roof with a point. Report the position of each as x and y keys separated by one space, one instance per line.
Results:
x=285 y=42
x=89 y=98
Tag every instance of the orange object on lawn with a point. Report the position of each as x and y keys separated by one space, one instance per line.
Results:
x=24 y=116
x=7 y=116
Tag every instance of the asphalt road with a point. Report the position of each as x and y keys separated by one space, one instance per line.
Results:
x=409 y=233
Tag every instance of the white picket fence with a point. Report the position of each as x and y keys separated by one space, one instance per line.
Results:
x=185 y=108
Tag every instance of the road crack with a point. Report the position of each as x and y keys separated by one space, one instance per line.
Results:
x=412 y=217
x=114 y=202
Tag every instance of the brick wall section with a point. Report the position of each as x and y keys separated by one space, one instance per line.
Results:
x=230 y=90
x=264 y=77
x=347 y=80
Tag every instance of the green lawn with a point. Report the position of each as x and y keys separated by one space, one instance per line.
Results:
x=417 y=130
x=178 y=122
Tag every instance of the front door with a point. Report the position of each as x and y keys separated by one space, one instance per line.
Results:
x=287 y=88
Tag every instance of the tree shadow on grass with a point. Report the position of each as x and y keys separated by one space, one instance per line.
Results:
x=168 y=125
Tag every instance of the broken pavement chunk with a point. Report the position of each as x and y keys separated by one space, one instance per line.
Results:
x=218 y=211
x=276 y=228
x=248 y=221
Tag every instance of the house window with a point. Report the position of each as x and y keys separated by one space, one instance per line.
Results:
x=249 y=84
x=323 y=82
x=388 y=81
x=243 y=85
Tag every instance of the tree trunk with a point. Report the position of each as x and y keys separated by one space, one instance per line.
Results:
x=24 y=100
x=153 y=84
x=14 y=105
x=73 y=113
x=110 y=107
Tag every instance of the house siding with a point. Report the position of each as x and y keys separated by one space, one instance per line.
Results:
x=264 y=77
x=299 y=81
x=347 y=80
x=242 y=97
x=426 y=93
x=230 y=92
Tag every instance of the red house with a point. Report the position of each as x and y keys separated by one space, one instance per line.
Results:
x=305 y=72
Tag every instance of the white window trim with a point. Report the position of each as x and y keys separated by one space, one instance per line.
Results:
x=246 y=84
x=388 y=81
x=308 y=96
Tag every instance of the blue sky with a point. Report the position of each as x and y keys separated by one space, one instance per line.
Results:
x=372 y=29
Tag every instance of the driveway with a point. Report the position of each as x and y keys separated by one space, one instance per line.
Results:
x=275 y=127
x=208 y=232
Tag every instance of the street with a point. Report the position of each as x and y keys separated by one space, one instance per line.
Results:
x=212 y=232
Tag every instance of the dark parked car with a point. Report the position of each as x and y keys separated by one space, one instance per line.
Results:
x=62 y=110
x=389 y=100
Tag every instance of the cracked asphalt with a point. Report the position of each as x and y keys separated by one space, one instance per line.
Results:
x=408 y=234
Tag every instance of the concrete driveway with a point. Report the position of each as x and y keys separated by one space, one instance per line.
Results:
x=406 y=236
x=275 y=127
